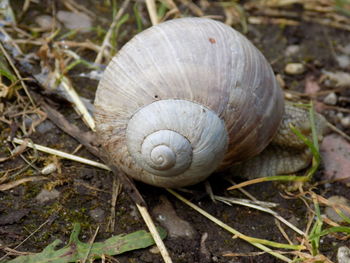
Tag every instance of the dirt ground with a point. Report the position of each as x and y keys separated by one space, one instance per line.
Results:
x=84 y=192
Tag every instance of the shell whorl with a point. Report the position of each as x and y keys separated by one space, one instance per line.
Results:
x=190 y=63
x=176 y=138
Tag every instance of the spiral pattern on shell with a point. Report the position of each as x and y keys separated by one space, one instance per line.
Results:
x=194 y=143
x=185 y=98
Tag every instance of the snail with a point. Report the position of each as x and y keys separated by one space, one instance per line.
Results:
x=189 y=97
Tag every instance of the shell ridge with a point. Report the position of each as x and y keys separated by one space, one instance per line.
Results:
x=185 y=82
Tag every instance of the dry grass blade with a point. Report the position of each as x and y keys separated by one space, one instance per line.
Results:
x=76 y=100
x=261 y=207
x=154 y=232
x=152 y=11
x=8 y=186
x=91 y=242
x=63 y=154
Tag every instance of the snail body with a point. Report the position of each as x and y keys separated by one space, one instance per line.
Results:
x=185 y=98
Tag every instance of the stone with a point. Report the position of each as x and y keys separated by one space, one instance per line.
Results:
x=294 y=68
x=46 y=195
x=331 y=99
x=343 y=254
x=167 y=217
x=75 y=21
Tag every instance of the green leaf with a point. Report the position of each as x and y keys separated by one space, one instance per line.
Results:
x=5 y=70
x=78 y=251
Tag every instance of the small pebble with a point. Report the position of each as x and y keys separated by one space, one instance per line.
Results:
x=346 y=49
x=154 y=250
x=343 y=255
x=331 y=99
x=345 y=122
x=343 y=61
x=44 y=21
x=46 y=195
x=294 y=68
x=48 y=169
x=71 y=20
x=340 y=115
x=339 y=200
x=292 y=50
x=45 y=126
x=167 y=217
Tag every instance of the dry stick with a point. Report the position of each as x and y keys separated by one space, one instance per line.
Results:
x=108 y=36
x=3 y=50
x=152 y=11
x=128 y=185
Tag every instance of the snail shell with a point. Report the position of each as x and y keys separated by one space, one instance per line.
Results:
x=185 y=98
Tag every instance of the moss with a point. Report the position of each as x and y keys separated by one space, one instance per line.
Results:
x=32 y=189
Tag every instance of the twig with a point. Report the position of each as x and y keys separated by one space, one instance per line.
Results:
x=152 y=11
x=106 y=40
